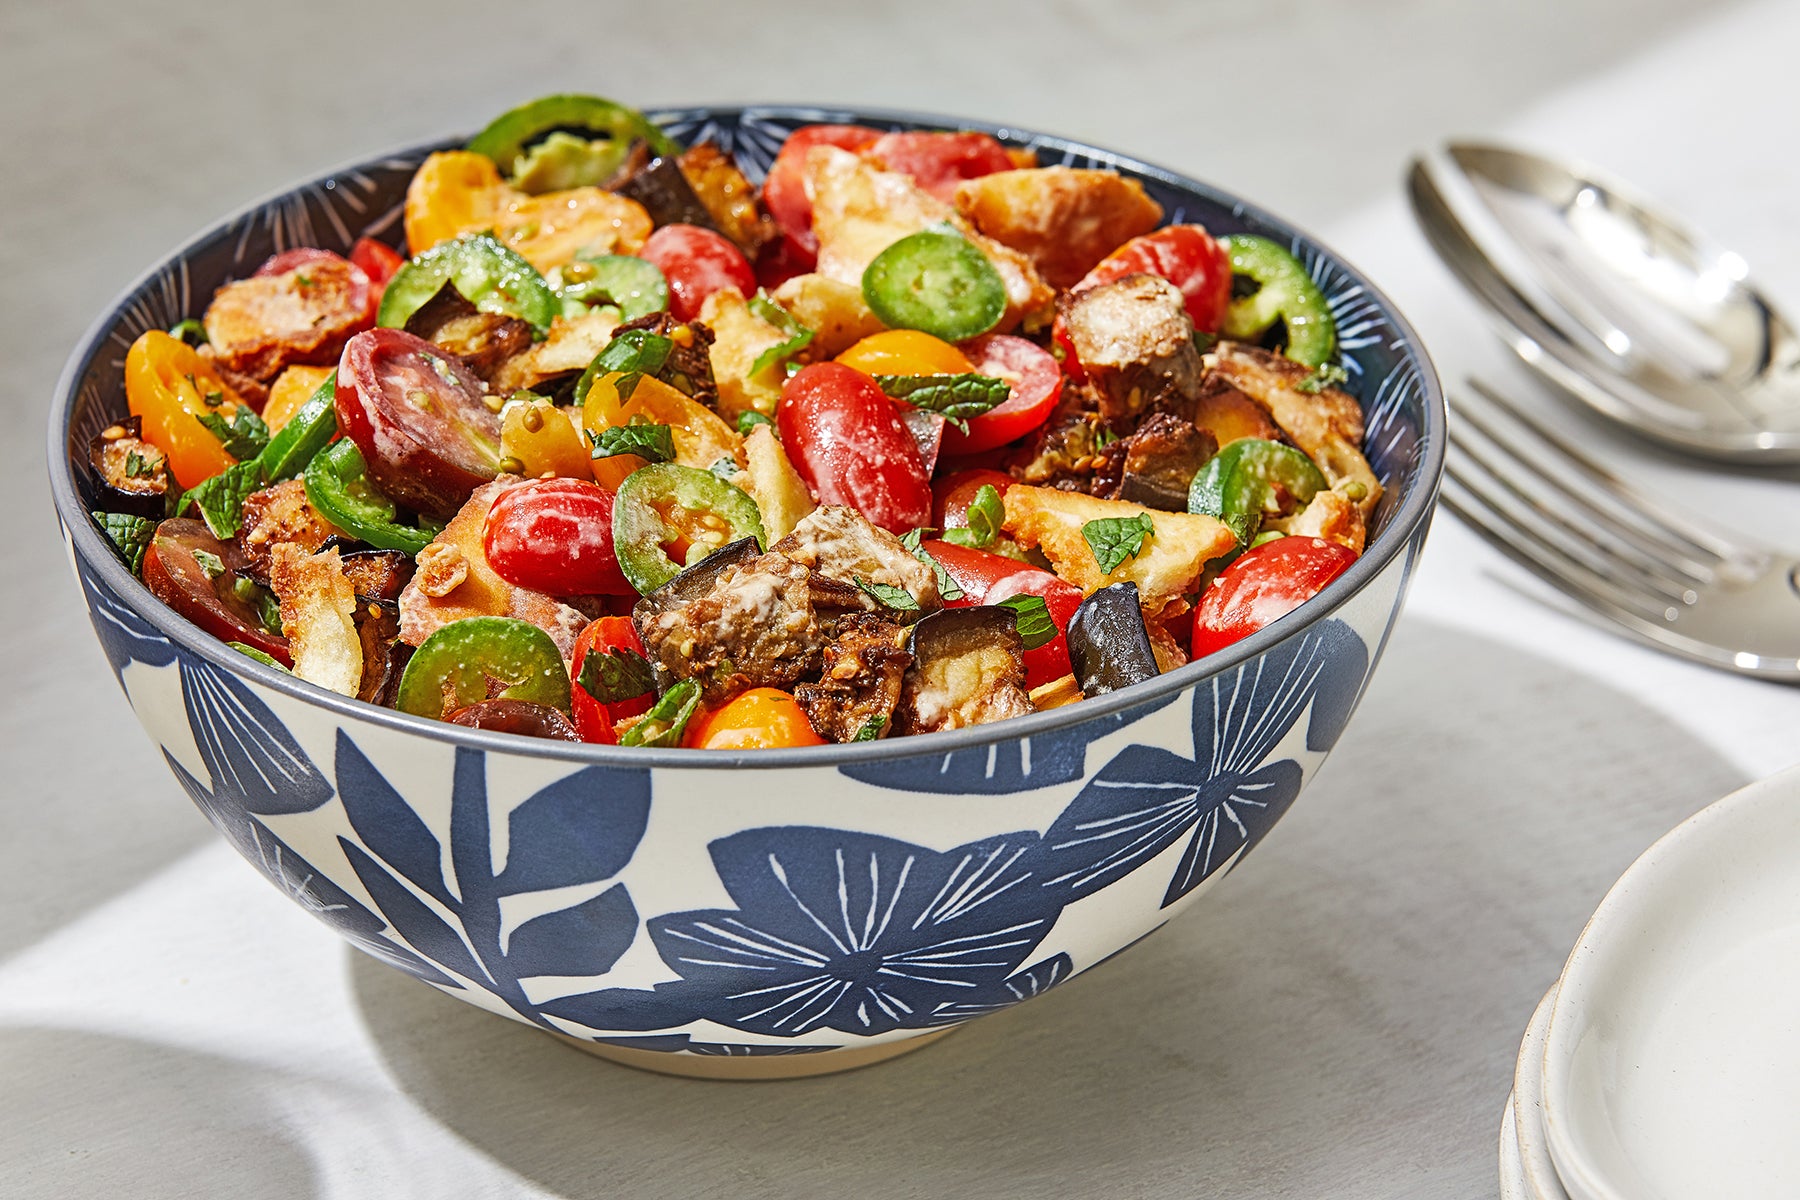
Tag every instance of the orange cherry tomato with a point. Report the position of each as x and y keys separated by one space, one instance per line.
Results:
x=905 y=352
x=168 y=384
x=759 y=719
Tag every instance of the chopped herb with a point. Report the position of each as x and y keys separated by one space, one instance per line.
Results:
x=268 y=608
x=303 y=280
x=618 y=674
x=1325 y=375
x=1031 y=616
x=632 y=355
x=956 y=398
x=258 y=655
x=872 y=728
x=1115 y=539
x=221 y=498
x=726 y=468
x=750 y=420
x=243 y=437
x=1104 y=437
x=986 y=516
x=946 y=584
x=795 y=336
x=896 y=598
x=129 y=535
x=1203 y=342
x=653 y=443
x=190 y=331
x=137 y=466
x=667 y=719
x=211 y=564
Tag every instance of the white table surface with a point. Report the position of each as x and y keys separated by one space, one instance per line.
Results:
x=1339 y=1020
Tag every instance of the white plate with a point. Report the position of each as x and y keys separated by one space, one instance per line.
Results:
x=1512 y=1175
x=1672 y=1065
x=1538 y=1171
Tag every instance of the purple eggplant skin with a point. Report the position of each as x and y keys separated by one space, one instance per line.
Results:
x=1109 y=645
x=130 y=475
x=666 y=195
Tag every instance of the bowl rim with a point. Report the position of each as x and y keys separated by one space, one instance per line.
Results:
x=97 y=555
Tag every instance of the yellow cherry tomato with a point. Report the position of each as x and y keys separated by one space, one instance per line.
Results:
x=905 y=352
x=171 y=386
x=292 y=389
x=701 y=438
x=451 y=193
x=759 y=719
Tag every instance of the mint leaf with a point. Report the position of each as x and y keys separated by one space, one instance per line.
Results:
x=633 y=354
x=956 y=398
x=1115 y=539
x=243 y=437
x=947 y=586
x=1325 y=375
x=749 y=420
x=129 y=535
x=986 y=517
x=795 y=336
x=667 y=719
x=1031 y=616
x=221 y=498
x=618 y=674
x=896 y=598
x=872 y=728
x=211 y=565
x=653 y=443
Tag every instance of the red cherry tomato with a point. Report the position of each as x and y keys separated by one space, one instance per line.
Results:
x=760 y=719
x=555 y=536
x=697 y=262
x=784 y=191
x=938 y=162
x=1185 y=255
x=287 y=260
x=847 y=441
x=594 y=718
x=1036 y=386
x=378 y=260
x=781 y=260
x=1267 y=582
x=990 y=578
x=954 y=493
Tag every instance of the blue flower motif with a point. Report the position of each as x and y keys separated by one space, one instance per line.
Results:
x=853 y=932
x=124 y=636
x=1035 y=980
x=1229 y=794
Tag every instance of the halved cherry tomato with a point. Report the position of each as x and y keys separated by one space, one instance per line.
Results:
x=168 y=383
x=847 y=441
x=697 y=262
x=990 y=578
x=419 y=417
x=594 y=719
x=784 y=191
x=1036 y=386
x=938 y=162
x=759 y=719
x=782 y=259
x=555 y=536
x=184 y=567
x=906 y=352
x=378 y=260
x=953 y=494
x=1185 y=255
x=1267 y=582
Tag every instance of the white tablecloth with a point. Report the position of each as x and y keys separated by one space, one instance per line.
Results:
x=1338 y=1019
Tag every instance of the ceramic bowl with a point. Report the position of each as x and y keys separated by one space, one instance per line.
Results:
x=679 y=908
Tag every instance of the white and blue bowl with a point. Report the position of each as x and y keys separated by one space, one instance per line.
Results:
x=702 y=911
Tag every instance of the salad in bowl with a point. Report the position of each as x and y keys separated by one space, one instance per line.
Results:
x=611 y=444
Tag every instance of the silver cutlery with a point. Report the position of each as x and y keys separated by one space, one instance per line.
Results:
x=1616 y=303
x=1656 y=575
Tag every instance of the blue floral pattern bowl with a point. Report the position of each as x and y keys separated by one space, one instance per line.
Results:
x=675 y=908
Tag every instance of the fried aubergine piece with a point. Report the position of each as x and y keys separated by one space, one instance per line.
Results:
x=483 y=340
x=1134 y=339
x=859 y=685
x=841 y=544
x=968 y=668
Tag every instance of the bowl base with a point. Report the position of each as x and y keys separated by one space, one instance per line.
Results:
x=764 y=1066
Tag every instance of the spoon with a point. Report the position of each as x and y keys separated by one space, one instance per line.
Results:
x=1641 y=318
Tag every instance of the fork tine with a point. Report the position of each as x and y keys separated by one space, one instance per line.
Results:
x=1545 y=560
x=1630 y=503
x=1652 y=562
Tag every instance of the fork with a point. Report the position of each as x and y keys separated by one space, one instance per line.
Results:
x=1653 y=574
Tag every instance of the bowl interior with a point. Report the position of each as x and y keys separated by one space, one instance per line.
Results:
x=1388 y=370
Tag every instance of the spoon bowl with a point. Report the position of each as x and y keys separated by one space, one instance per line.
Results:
x=1619 y=304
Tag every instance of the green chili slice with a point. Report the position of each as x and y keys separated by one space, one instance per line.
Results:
x=938 y=282
x=667 y=504
x=455 y=666
x=491 y=277
x=1284 y=292
x=337 y=485
x=1249 y=478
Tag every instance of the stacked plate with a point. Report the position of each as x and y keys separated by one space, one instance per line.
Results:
x=1665 y=1063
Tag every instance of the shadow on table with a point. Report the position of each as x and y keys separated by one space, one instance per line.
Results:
x=1339 y=1018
